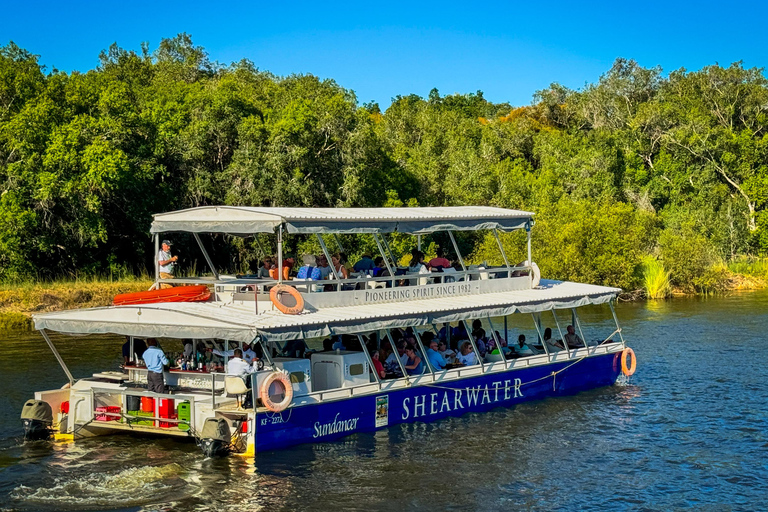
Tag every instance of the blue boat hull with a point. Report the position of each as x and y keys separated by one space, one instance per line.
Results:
x=328 y=421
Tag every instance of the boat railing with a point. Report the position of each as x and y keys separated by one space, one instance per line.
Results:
x=358 y=281
x=453 y=374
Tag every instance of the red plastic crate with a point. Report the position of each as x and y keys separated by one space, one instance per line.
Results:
x=168 y=424
x=167 y=408
x=115 y=409
x=147 y=404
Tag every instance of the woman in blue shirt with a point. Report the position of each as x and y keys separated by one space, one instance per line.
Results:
x=415 y=365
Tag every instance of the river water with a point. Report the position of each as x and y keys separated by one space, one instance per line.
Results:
x=688 y=431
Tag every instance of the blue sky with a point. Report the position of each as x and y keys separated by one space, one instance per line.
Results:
x=508 y=50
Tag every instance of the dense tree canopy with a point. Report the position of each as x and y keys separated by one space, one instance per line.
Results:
x=638 y=163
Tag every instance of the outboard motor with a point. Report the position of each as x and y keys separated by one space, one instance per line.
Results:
x=215 y=437
x=37 y=418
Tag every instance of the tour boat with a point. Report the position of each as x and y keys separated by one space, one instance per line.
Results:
x=328 y=394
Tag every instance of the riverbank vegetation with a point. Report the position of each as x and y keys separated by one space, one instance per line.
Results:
x=640 y=164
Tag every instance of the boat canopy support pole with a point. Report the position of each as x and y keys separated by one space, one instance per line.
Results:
x=383 y=255
x=528 y=231
x=338 y=242
x=458 y=254
x=618 y=327
x=328 y=256
x=418 y=242
x=391 y=254
x=424 y=353
x=498 y=343
x=537 y=323
x=280 y=254
x=474 y=345
x=370 y=359
x=562 y=338
x=397 y=356
x=577 y=324
x=501 y=248
x=58 y=357
x=206 y=256
x=157 y=262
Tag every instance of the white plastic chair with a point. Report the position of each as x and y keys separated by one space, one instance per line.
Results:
x=235 y=385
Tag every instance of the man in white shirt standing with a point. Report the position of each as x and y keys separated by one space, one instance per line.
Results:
x=166 y=262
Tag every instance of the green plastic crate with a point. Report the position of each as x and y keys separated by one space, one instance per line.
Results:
x=184 y=413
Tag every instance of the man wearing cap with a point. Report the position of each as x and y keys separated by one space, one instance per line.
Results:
x=166 y=262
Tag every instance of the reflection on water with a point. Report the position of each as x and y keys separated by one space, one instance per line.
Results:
x=687 y=431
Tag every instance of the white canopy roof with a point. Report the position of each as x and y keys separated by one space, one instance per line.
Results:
x=246 y=220
x=226 y=321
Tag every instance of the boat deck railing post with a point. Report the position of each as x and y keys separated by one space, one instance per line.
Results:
x=280 y=254
x=157 y=262
x=58 y=357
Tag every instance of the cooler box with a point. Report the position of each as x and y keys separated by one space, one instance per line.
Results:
x=184 y=413
x=298 y=371
x=340 y=369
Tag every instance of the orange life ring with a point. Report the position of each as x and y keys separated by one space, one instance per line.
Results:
x=196 y=293
x=272 y=378
x=276 y=293
x=633 y=362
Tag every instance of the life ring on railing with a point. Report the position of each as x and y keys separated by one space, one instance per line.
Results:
x=536 y=277
x=632 y=364
x=266 y=399
x=293 y=306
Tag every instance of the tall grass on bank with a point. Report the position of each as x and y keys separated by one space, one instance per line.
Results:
x=18 y=300
x=750 y=266
x=655 y=279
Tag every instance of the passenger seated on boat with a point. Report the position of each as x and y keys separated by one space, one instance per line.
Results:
x=447 y=353
x=478 y=333
x=309 y=270
x=323 y=266
x=365 y=265
x=414 y=365
x=522 y=349
x=552 y=344
x=391 y=365
x=436 y=359
x=339 y=260
x=377 y=366
x=467 y=357
x=379 y=267
x=458 y=334
x=444 y=334
x=138 y=350
x=572 y=339
x=440 y=262
x=237 y=367
x=266 y=266
x=287 y=266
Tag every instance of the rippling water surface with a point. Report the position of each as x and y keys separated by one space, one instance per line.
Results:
x=688 y=431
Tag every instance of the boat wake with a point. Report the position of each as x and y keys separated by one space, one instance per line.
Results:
x=133 y=486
